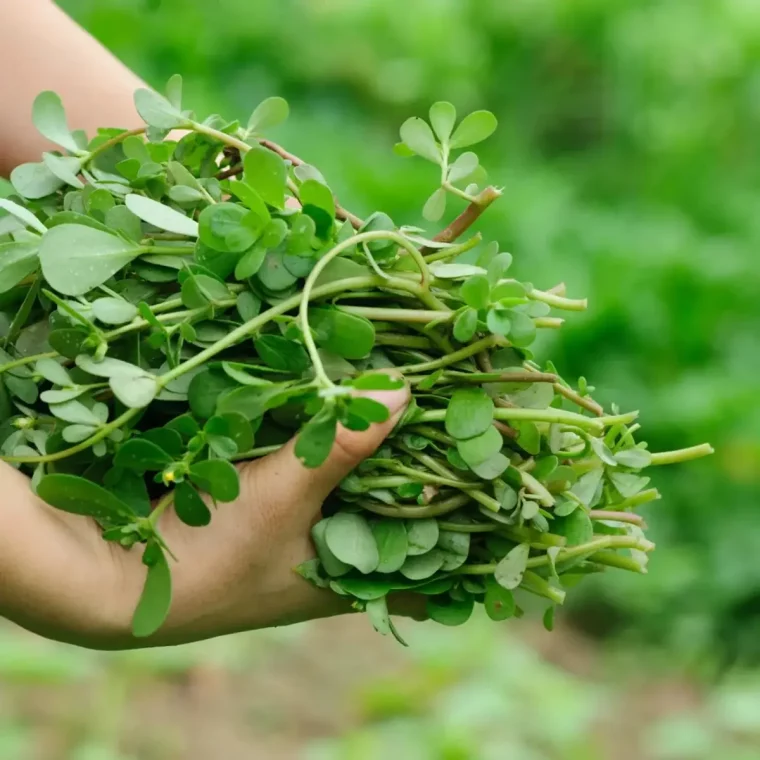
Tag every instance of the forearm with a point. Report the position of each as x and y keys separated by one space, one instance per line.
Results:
x=60 y=579
x=43 y=49
x=52 y=575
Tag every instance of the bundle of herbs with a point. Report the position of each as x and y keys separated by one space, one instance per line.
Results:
x=182 y=297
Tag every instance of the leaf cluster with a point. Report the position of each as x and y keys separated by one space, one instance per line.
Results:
x=181 y=305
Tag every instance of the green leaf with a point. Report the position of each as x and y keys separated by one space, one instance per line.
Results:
x=269 y=113
x=316 y=438
x=470 y=413
x=350 y=539
x=34 y=180
x=498 y=267
x=205 y=390
x=499 y=601
x=499 y=321
x=576 y=527
x=482 y=447
x=528 y=436
x=65 y=168
x=465 y=325
x=157 y=111
x=377 y=611
x=250 y=262
x=17 y=261
x=600 y=448
x=282 y=354
x=314 y=193
x=235 y=427
x=75 y=412
x=190 y=507
x=348 y=335
x=418 y=137
x=403 y=150
x=463 y=167
x=455 y=547
x=67 y=342
x=476 y=292
x=377 y=381
x=508 y=289
x=267 y=174
x=259 y=217
x=435 y=206
x=225 y=227
x=23 y=215
x=369 y=409
x=454 y=271
x=248 y=306
x=522 y=330
x=83 y=497
x=392 y=544
x=161 y=216
x=419 y=567
x=273 y=274
x=366 y=589
x=474 y=128
x=200 y=290
x=153 y=607
x=449 y=611
x=491 y=468
x=311 y=571
x=443 y=116
x=50 y=119
x=588 y=486
x=628 y=483
x=167 y=438
x=536 y=396
x=141 y=456
x=174 y=91
x=121 y=219
x=422 y=535
x=217 y=478
x=53 y=372
x=251 y=402
x=376 y=222
x=113 y=311
x=330 y=563
x=184 y=194
x=636 y=459
x=509 y=572
x=75 y=259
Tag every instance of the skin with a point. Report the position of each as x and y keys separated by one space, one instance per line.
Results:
x=58 y=577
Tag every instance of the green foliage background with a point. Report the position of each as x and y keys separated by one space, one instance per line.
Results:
x=629 y=152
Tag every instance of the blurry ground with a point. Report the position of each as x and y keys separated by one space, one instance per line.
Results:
x=335 y=690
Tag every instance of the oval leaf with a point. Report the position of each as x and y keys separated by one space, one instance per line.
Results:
x=474 y=128
x=161 y=216
x=217 y=478
x=83 y=497
x=75 y=259
x=153 y=608
x=350 y=539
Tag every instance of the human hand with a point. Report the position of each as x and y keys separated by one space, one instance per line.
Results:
x=62 y=580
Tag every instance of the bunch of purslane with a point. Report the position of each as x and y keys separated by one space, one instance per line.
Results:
x=181 y=297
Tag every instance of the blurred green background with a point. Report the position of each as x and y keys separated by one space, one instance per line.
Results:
x=629 y=151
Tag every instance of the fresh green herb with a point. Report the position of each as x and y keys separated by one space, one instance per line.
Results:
x=175 y=296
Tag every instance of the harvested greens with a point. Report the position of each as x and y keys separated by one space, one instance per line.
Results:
x=173 y=303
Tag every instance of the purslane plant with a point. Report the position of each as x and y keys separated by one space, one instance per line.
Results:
x=181 y=297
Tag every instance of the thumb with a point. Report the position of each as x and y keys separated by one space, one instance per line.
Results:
x=296 y=484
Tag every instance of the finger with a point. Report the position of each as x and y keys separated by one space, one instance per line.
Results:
x=295 y=486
